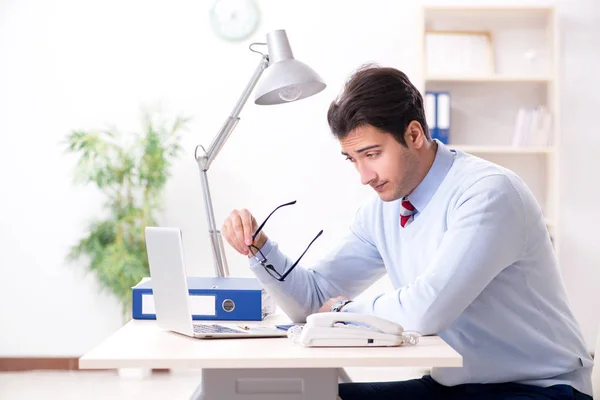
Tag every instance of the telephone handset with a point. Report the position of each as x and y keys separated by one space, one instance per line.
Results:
x=344 y=329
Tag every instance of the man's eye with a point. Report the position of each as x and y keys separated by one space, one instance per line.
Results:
x=349 y=159
x=372 y=155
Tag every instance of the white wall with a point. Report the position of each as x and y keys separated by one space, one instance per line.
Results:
x=71 y=64
x=580 y=213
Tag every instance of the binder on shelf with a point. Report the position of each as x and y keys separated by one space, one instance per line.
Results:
x=230 y=299
x=430 y=105
x=533 y=127
x=443 y=117
x=437 y=114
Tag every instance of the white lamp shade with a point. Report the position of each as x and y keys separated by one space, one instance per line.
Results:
x=293 y=77
x=286 y=79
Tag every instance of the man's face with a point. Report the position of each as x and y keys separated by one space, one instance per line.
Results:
x=383 y=163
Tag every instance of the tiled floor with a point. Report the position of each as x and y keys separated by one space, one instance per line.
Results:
x=96 y=385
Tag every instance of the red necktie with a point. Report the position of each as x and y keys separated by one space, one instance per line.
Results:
x=406 y=212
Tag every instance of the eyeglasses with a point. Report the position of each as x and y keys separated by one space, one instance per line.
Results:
x=263 y=260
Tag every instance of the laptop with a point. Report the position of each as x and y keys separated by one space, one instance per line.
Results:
x=171 y=296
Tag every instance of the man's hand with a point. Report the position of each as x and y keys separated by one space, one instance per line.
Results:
x=238 y=229
x=326 y=307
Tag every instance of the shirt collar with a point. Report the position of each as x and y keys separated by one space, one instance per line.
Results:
x=444 y=157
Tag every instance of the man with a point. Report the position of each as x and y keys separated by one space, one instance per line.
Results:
x=464 y=243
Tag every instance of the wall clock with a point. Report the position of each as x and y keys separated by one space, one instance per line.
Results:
x=234 y=20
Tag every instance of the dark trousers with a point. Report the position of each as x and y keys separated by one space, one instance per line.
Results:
x=428 y=389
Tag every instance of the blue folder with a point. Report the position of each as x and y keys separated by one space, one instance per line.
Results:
x=438 y=110
x=228 y=299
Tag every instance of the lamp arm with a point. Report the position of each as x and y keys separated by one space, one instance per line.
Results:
x=205 y=160
x=219 y=140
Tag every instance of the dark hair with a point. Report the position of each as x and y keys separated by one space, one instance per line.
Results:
x=382 y=97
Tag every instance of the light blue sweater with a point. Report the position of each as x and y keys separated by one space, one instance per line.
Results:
x=476 y=266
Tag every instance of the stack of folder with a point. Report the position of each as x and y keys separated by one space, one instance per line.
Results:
x=437 y=114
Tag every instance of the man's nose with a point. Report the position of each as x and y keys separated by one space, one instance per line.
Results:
x=366 y=175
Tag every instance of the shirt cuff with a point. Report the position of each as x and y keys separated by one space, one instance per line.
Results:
x=362 y=306
x=265 y=250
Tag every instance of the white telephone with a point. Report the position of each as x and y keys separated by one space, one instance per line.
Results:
x=343 y=329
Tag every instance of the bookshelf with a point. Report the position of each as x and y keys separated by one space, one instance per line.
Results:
x=504 y=67
x=502 y=149
x=488 y=79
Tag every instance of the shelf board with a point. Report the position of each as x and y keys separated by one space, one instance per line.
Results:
x=503 y=149
x=479 y=8
x=488 y=79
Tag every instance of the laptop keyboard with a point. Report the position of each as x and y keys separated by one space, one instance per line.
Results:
x=207 y=328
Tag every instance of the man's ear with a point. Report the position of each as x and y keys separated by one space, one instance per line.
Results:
x=414 y=135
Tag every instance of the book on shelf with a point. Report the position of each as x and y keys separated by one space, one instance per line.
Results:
x=533 y=127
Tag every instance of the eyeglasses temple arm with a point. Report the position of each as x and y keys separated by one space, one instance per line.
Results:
x=302 y=255
x=266 y=219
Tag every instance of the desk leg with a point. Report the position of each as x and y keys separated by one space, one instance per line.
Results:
x=344 y=377
x=270 y=384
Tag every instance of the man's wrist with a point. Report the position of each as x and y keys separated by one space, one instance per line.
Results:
x=337 y=307
x=259 y=243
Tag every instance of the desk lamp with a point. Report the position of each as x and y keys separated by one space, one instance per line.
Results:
x=285 y=80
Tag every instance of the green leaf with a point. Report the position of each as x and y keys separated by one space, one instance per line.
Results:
x=132 y=177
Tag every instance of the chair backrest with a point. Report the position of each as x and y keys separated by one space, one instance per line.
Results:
x=596 y=369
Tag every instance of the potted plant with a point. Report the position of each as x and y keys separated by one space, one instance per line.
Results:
x=131 y=171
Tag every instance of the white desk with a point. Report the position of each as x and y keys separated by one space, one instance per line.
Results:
x=266 y=369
